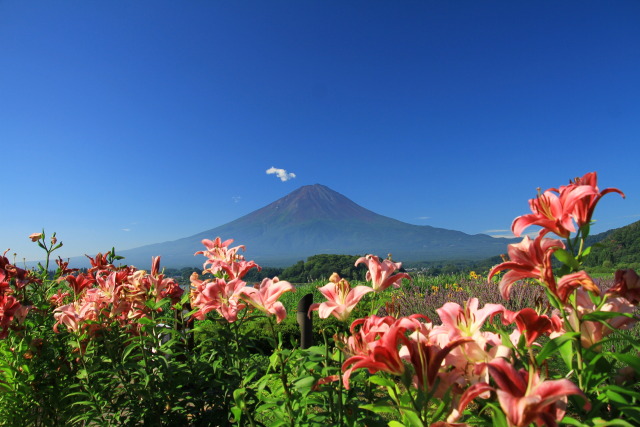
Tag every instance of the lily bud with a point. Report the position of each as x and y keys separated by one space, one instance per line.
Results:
x=36 y=236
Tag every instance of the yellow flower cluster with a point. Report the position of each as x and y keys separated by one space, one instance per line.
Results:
x=448 y=287
x=454 y=287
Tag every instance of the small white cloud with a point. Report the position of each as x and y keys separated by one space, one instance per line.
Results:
x=236 y=199
x=281 y=173
x=507 y=234
x=424 y=217
x=498 y=236
x=126 y=229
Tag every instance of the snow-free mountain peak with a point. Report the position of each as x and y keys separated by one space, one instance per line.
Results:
x=315 y=219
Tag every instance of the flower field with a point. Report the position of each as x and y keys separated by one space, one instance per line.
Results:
x=533 y=341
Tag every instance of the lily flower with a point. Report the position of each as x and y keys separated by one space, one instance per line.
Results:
x=549 y=213
x=427 y=355
x=265 y=296
x=583 y=208
x=532 y=324
x=379 y=354
x=627 y=285
x=381 y=273
x=217 y=250
x=525 y=398
x=528 y=259
x=10 y=310
x=364 y=339
x=481 y=346
x=341 y=298
x=467 y=321
x=36 y=236
x=219 y=295
x=593 y=331
x=79 y=283
x=569 y=282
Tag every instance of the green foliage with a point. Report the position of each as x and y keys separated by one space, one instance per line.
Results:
x=451 y=267
x=160 y=365
x=619 y=248
x=322 y=267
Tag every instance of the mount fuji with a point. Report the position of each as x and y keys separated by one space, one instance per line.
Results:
x=314 y=219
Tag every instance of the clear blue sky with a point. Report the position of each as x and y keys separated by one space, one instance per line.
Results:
x=124 y=123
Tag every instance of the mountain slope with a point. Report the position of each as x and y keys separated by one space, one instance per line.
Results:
x=315 y=219
x=617 y=247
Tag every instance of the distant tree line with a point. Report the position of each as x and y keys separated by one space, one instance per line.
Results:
x=619 y=248
x=437 y=268
x=254 y=275
x=322 y=266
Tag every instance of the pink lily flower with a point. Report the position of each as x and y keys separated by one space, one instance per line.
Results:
x=482 y=346
x=236 y=269
x=467 y=321
x=341 y=298
x=221 y=258
x=372 y=328
x=627 y=285
x=10 y=310
x=592 y=331
x=219 y=295
x=79 y=283
x=548 y=213
x=532 y=324
x=67 y=315
x=525 y=398
x=35 y=236
x=427 y=355
x=528 y=259
x=265 y=296
x=583 y=208
x=380 y=354
x=57 y=298
x=381 y=273
x=217 y=250
x=569 y=282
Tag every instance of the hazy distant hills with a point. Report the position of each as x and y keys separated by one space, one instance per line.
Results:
x=317 y=220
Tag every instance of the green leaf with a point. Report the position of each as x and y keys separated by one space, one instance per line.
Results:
x=557 y=345
x=238 y=395
x=395 y=424
x=600 y=422
x=237 y=413
x=629 y=359
x=304 y=383
x=412 y=419
x=573 y=422
x=378 y=380
x=128 y=350
x=567 y=258
x=498 y=417
x=604 y=315
x=623 y=390
x=379 y=408
x=615 y=397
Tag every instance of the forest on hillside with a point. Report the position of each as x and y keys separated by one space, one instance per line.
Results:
x=619 y=248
